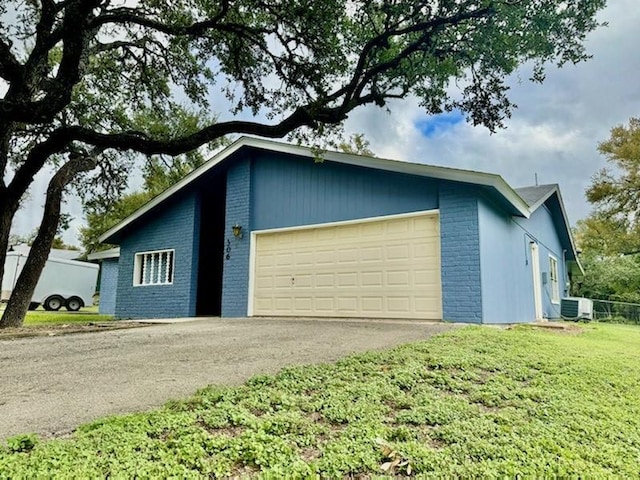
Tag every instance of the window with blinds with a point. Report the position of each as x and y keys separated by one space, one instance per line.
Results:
x=154 y=268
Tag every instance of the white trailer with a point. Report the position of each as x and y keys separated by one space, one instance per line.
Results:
x=63 y=283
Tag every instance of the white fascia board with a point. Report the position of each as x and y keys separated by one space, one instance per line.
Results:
x=104 y=254
x=442 y=173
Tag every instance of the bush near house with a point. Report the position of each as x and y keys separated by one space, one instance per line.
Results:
x=473 y=402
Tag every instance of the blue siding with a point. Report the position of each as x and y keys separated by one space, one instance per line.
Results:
x=235 y=286
x=541 y=227
x=290 y=191
x=460 y=253
x=175 y=226
x=108 y=286
x=507 y=276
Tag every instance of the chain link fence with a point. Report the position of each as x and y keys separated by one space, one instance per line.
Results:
x=616 y=312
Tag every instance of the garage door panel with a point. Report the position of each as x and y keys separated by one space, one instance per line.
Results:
x=283 y=304
x=304 y=304
x=387 y=268
x=371 y=279
x=325 y=257
x=348 y=255
x=325 y=304
x=372 y=305
x=324 y=280
x=399 y=304
x=371 y=255
x=399 y=278
x=397 y=252
x=303 y=258
x=347 y=280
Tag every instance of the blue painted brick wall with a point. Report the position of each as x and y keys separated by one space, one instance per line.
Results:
x=235 y=289
x=460 y=253
x=174 y=226
x=108 y=286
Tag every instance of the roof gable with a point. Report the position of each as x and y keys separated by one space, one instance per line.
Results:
x=536 y=195
x=549 y=195
x=517 y=205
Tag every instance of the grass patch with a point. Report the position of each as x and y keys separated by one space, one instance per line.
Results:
x=42 y=317
x=63 y=317
x=473 y=402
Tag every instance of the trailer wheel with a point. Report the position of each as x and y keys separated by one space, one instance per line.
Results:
x=74 y=304
x=33 y=305
x=53 y=303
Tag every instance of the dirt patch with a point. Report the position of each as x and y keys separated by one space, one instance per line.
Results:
x=64 y=329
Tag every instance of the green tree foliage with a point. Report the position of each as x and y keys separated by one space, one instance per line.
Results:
x=601 y=234
x=358 y=144
x=610 y=237
x=615 y=278
x=82 y=79
x=99 y=221
x=616 y=194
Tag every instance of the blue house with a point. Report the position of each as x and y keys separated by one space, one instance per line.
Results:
x=265 y=229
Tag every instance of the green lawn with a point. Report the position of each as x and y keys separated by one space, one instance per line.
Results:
x=474 y=402
x=84 y=315
x=63 y=317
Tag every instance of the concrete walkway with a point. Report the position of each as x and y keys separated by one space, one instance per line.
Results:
x=50 y=385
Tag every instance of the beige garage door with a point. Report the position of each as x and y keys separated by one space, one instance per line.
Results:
x=382 y=268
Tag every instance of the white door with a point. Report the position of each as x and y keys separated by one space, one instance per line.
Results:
x=387 y=267
x=537 y=285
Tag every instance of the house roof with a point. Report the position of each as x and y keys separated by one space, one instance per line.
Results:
x=536 y=195
x=522 y=202
x=496 y=182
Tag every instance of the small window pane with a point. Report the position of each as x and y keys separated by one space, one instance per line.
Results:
x=154 y=268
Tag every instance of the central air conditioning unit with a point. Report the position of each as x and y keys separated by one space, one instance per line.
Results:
x=576 y=308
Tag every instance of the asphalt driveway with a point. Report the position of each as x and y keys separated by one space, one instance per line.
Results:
x=50 y=385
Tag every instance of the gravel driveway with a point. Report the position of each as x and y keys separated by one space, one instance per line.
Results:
x=50 y=385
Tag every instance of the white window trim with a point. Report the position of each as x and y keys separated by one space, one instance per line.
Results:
x=148 y=257
x=554 y=285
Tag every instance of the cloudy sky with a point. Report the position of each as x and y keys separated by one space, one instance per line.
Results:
x=555 y=130
x=554 y=133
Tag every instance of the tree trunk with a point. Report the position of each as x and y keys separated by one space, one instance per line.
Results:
x=7 y=212
x=23 y=291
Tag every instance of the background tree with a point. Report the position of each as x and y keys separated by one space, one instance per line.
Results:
x=601 y=234
x=610 y=236
x=358 y=144
x=87 y=82
x=616 y=194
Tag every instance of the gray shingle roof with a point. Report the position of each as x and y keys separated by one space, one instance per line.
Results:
x=534 y=194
